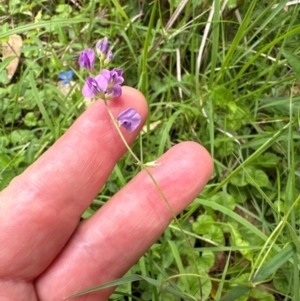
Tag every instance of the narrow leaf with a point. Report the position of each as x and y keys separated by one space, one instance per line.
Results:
x=132 y=278
x=293 y=60
x=235 y=293
x=275 y=263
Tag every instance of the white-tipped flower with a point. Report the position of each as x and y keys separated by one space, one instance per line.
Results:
x=103 y=51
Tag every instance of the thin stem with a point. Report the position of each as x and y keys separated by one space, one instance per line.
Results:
x=177 y=222
x=144 y=166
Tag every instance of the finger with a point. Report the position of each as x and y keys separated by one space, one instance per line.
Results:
x=41 y=208
x=106 y=245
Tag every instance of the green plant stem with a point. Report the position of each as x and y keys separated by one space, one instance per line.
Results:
x=144 y=166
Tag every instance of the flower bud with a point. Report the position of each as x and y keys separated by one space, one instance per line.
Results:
x=87 y=59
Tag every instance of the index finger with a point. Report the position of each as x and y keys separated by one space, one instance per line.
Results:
x=41 y=208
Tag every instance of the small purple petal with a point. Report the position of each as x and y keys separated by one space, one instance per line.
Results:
x=87 y=59
x=103 y=51
x=109 y=57
x=102 y=46
x=94 y=86
x=106 y=74
x=116 y=76
x=87 y=90
x=106 y=84
x=129 y=119
x=115 y=91
x=102 y=82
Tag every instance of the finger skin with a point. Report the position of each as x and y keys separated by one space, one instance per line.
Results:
x=41 y=208
x=106 y=245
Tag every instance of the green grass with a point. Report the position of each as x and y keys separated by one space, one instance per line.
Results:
x=228 y=80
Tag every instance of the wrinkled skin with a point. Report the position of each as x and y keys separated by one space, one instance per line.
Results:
x=46 y=254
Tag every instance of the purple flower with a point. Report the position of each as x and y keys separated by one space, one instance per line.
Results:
x=102 y=48
x=105 y=85
x=108 y=58
x=95 y=86
x=129 y=119
x=115 y=91
x=87 y=59
x=114 y=79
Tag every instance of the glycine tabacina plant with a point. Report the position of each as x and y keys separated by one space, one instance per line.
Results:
x=107 y=83
x=107 y=86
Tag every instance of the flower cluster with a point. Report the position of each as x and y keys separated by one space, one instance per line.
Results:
x=106 y=84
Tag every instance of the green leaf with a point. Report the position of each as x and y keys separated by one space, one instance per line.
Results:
x=30 y=119
x=293 y=60
x=161 y=286
x=275 y=263
x=239 y=180
x=232 y=106
x=238 y=193
x=260 y=178
x=63 y=8
x=261 y=295
x=206 y=260
x=12 y=116
x=235 y=293
x=203 y=224
x=5 y=177
x=44 y=24
x=4 y=160
x=249 y=159
x=238 y=240
x=87 y=213
x=215 y=234
x=6 y=62
x=19 y=137
x=43 y=110
x=194 y=282
x=4 y=141
x=244 y=278
x=175 y=3
x=224 y=199
x=221 y=95
x=251 y=228
x=3 y=77
x=268 y=160
x=281 y=283
x=231 y=3
x=280 y=206
x=225 y=148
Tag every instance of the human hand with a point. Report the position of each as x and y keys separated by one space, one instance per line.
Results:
x=46 y=254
